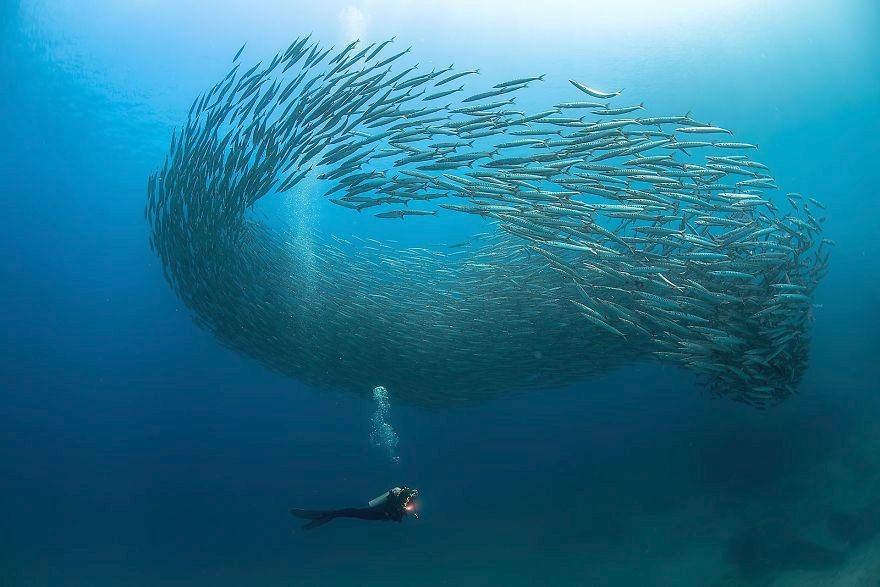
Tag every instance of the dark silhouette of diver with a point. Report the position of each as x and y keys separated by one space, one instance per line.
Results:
x=391 y=505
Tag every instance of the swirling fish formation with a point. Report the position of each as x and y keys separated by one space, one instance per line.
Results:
x=607 y=240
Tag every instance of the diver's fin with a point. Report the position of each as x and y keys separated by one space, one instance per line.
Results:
x=317 y=517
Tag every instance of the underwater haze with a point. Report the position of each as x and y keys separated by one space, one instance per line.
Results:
x=156 y=427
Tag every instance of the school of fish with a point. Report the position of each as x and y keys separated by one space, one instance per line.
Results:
x=609 y=237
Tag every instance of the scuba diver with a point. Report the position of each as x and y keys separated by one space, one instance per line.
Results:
x=391 y=505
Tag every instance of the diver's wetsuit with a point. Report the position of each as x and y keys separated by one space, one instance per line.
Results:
x=377 y=513
x=393 y=508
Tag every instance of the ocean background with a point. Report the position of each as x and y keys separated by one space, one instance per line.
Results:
x=137 y=451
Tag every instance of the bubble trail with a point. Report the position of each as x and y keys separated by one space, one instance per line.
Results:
x=382 y=435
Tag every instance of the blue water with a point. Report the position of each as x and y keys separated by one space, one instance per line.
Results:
x=135 y=450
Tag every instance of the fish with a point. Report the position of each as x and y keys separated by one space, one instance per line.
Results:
x=379 y=48
x=437 y=95
x=595 y=93
x=703 y=129
x=618 y=111
x=394 y=57
x=402 y=213
x=456 y=76
x=519 y=81
x=724 y=145
x=238 y=53
x=490 y=93
x=563 y=105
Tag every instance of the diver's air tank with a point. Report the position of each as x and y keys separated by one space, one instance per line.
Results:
x=377 y=501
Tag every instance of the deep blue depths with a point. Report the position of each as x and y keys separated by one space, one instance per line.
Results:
x=135 y=450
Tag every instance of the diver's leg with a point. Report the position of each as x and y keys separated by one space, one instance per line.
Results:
x=321 y=517
x=360 y=513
